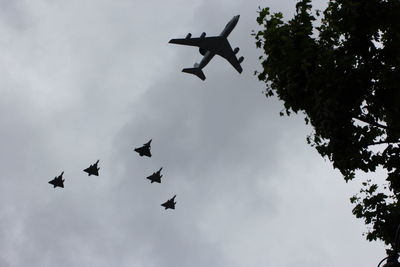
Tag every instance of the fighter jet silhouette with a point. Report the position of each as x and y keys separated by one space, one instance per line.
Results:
x=93 y=169
x=155 y=177
x=58 y=181
x=170 y=204
x=144 y=150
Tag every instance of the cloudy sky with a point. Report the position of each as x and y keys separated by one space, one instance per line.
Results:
x=83 y=80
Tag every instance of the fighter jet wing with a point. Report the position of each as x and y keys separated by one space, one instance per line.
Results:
x=92 y=170
x=57 y=183
x=143 y=151
x=154 y=178
x=218 y=45
x=169 y=204
x=147 y=153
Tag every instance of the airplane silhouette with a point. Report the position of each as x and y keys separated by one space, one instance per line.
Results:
x=169 y=204
x=58 y=181
x=211 y=46
x=155 y=177
x=93 y=169
x=144 y=150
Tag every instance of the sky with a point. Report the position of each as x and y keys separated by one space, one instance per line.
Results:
x=87 y=80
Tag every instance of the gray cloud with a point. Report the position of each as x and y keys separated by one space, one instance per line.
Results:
x=92 y=80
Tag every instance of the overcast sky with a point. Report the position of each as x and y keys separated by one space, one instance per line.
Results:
x=83 y=80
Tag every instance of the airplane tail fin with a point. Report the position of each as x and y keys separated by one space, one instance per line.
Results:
x=196 y=71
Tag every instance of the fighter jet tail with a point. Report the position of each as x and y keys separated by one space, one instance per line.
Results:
x=196 y=71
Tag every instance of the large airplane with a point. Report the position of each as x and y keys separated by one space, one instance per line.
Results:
x=211 y=46
x=93 y=169
x=58 y=181
x=170 y=204
x=155 y=177
x=144 y=150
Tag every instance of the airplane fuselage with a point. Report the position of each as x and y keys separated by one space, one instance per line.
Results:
x=225 y=33
x=211 y=46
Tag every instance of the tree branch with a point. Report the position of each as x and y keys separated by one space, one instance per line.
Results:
x=384 y=142
x=371 y=123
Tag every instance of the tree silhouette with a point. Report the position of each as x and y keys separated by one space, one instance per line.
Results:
x=341 y=68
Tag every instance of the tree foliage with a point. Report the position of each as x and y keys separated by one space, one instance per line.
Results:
x=341 y=68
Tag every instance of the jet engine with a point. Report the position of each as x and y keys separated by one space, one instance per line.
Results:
x=241 y=59
x=188 y=36
x=203 y=35
x=236 y=50
x=202 y=51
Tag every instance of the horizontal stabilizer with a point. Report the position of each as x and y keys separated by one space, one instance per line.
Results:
x=196 y=71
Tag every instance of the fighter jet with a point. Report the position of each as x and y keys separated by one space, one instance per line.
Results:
x=93 y=169
x=58 y=181
x=170 y=204
x=155 y=177
x=211 y=46
x=144 y=150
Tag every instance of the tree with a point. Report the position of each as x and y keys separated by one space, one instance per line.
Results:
x=343 y=72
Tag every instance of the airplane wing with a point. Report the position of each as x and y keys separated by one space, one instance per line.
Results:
x=225 y=50
x=206 y=42
x=218 y=45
